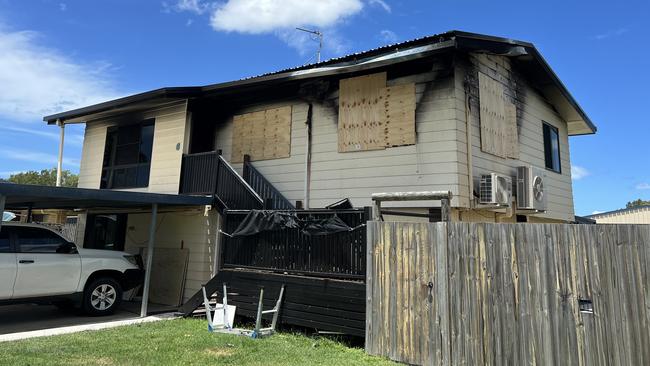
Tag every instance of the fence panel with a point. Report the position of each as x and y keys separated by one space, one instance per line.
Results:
x=476 y=293
x=340 y=255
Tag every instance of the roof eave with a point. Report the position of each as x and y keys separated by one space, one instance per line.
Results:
x=171 y=93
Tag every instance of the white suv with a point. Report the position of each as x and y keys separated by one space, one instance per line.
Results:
x=39 y=265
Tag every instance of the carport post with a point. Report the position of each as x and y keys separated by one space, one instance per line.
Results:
x=147 y=274
x=59 y=162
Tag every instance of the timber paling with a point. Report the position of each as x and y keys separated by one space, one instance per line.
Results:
x=497 y=294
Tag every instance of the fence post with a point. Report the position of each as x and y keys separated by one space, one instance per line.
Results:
x=444 y=210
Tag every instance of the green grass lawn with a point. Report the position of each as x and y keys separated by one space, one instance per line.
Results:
x=180 y=342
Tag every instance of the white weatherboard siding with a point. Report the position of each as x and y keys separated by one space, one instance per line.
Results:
x=169 y=131
x=286 y=174
x=190 y=229
x=433 y=163
x=533 y=109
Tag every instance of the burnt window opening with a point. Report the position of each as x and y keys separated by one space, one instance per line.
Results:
x=552 y=148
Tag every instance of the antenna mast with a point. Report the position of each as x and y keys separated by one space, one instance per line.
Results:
x=318 y=34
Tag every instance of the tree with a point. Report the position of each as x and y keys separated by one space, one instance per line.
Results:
x=46 y=177
x=637 y=203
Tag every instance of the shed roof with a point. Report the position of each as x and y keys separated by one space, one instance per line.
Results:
x=23 y=196
x=525 y=52
x=621 y=211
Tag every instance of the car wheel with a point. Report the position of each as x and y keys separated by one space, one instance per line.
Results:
x=102 y=296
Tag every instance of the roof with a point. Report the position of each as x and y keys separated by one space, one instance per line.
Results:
x=553 y=88
x=23 y=196
x=623 y=210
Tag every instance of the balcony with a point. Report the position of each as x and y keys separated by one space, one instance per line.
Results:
x=209 y=173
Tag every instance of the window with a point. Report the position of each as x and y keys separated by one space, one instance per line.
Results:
x=35 y=240
x=105 y=232
x=551 y=148
x=5 y=245
x=127 y=156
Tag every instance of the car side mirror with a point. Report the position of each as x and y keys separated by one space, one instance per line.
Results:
x=67 y=248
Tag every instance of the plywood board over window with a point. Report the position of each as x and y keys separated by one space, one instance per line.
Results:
x=374 y=117
x=399 y=115
x=498 y=118
x=263 y=135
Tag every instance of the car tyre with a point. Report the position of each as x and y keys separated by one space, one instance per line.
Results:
x=102 y=296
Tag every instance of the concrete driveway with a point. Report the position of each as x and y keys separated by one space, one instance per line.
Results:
x=29 y=317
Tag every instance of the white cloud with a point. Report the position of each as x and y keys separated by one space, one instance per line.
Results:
x=37 y=80
x=37 y=157
x=597 y=212
x=381 y=3
x=197 y=7
x=611 y=33
x=388 y=36
x=643 y=186
x=578 y=172
x=72 y=139
x=265 y=16
x=280 y=18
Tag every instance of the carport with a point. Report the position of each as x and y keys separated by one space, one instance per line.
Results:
x=27 y=197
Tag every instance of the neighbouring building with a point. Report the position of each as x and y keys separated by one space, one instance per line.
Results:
x=632 y=215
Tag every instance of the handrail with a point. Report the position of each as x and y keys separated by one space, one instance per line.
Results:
x=241 y=180
x=265 y=188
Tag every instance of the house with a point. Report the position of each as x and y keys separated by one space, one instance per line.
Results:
x=631 y=215
x=431 y=114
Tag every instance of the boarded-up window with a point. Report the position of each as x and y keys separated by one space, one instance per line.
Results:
x=372 y=116
x=498 y=119
x=263 y=135
x=399 y=113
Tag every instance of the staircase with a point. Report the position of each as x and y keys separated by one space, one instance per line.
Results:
x=210 y=174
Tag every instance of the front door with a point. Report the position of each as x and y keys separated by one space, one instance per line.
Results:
x=45 y=267
x=7 y=265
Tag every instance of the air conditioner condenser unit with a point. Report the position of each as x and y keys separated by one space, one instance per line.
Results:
x=531 y=194
x=495 y=190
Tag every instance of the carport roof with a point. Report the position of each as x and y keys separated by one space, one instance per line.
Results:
x=22 y=196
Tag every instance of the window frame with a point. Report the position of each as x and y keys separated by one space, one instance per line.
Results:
x=110 y=169
x=549 y=153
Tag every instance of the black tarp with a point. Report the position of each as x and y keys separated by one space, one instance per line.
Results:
x=257 y=221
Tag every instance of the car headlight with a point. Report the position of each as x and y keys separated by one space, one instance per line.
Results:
x=133 y=260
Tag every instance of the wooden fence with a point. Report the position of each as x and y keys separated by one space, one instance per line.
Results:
x=475 y=294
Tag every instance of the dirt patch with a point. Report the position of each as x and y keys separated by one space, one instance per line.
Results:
x=220 y=352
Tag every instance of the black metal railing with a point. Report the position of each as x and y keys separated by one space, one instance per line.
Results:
x=273 y=199
x=338 y=255
x=210 y=173
x=199 y=173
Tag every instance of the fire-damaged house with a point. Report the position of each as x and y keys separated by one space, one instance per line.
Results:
x=482 y=117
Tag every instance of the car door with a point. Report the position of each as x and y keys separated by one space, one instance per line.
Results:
x=7 y=264
x=46 y=265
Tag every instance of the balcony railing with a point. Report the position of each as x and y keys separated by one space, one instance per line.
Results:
x=210 y=174
x=273 y=199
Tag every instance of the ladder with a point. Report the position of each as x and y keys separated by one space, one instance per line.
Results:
x=211 y=311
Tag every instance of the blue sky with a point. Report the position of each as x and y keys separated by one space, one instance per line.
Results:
x=58 y=55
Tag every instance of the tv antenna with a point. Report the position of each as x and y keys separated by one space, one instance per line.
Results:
x=318 y=34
